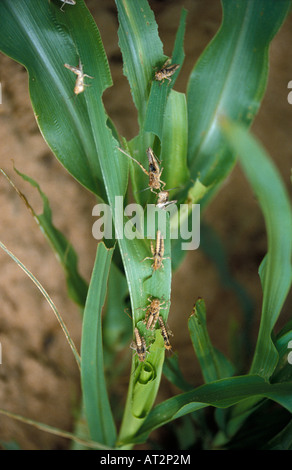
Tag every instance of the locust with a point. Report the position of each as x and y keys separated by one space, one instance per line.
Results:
x=69 y=2
x=163 y=200
x=79 y=84
x=165 y=334
x=139 y=345
x=157 y=252
x=154 y=172
x=166 y=72
x=153 y=311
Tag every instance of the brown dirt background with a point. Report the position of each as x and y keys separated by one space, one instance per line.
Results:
x=38 y=375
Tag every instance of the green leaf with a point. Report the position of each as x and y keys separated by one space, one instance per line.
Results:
x=283 y=344
x=77 y=286
x=143 y=51
x=276 y=269
x=144 y=282
x=42 y=39
x=267 y=423
x=114 y=170
x=221 y=393
x=80 y=137
x=173 y=148
x=178 y=54
x=214 y=364
x=141 y=48
x=172 y=372
x=97 y=408
x=158 y=97
x=146 y=381
x=156 y=111
x=282 y=441
x=213 y=248
x=116 y=324
x=283 y=373
x=229 y=78
x=174 y=142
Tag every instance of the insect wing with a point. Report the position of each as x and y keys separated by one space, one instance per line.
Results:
x=165 y=334
x=153 y=165
x=140 y=345
x=170 y=70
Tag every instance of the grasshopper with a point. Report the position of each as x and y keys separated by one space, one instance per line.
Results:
x=162 y=200
x=79 y=85
x=157 y=252
x=153 y=311
x=166 y=72
x=139 y=345
x=165 y=333
x=154 y=172
x=69 y=2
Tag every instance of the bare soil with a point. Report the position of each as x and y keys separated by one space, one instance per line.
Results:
x=38 y=375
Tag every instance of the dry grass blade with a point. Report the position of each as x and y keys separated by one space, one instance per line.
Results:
x=53 y=430
x=48 y=299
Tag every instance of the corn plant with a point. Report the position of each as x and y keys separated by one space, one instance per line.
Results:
x=197 y=137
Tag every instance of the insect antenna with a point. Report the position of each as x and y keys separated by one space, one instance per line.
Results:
x=132 y=158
